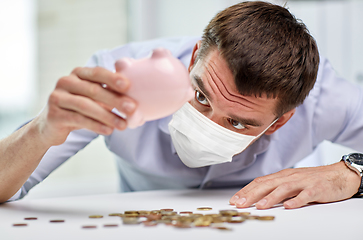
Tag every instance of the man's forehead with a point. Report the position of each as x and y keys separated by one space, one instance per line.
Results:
x=216 y=81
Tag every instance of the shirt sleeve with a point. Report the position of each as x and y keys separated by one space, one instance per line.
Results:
x=339 y=111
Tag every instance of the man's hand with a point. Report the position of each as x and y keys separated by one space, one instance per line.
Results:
x=300 y=186
x=84 y=99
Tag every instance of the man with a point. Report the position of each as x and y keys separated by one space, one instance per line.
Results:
x=252 y=70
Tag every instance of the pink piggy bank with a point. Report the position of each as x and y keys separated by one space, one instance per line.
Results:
x=160 y=84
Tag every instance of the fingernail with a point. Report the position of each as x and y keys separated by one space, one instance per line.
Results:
x=128 y=106
x=262 y=202
x=120 y=124
x=289 y=204
x=241 y=201
x=234 y=199
x=121 y=84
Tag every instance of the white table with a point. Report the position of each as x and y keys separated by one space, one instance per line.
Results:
x=321 y=221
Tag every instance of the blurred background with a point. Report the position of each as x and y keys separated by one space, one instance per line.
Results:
x=43 y=40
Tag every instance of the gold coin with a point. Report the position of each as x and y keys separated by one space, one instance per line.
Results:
x=182 y=225
x=130 y=220
x=95 y=216
x=115 y=215
x=132 y=212
x=186 y=212
x=131 y=215
x=57 y=221
x=228 y=212
x=20 y=224
x=152 y=217
x=30 y=218
x=204 y=208
x=236 y=220
x=223 y=228
x=168 y=213
x=251 y=217
x=204 y=221
x=266 y=218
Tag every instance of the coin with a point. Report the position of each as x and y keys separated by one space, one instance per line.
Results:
x=154 y=217
x=110 y=225
x=30 y=218
x=236 y=220
x=20 y=224
x=166 y=210
x=132 y=212
x=204 y=208
x=57 y=221
x=130 y=220
x=186 y=212
x=131 y=215
x=223 y=228
x=115 y=214
x=150 y=223
x=95 y=216
x=89 y=226
x=266 y=218
x=204 y=221
x=228 y=212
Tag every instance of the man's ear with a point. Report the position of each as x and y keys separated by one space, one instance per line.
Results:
x=194 y=55
x=280 y=122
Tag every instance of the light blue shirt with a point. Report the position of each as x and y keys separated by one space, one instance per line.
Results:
x=146 y=156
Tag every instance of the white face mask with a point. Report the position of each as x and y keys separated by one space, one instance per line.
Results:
x=201 y=142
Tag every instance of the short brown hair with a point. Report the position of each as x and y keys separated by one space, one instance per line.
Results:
x=268 y=51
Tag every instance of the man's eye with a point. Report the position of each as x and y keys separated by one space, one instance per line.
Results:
x=236 y=124
x=201 y=98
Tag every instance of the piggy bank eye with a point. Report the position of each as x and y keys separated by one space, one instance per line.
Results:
x=201 y=98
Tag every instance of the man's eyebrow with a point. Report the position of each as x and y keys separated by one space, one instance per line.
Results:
x=200 y=85
x=247 y=121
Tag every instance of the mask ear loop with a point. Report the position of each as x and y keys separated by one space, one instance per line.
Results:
x=259 y=135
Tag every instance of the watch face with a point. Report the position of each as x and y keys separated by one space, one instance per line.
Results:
x=356 y=158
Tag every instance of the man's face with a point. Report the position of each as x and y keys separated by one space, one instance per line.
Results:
x=217 y=98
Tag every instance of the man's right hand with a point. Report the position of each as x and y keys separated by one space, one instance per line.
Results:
x=84 y=99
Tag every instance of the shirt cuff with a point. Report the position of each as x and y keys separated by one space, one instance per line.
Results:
x=16 y=196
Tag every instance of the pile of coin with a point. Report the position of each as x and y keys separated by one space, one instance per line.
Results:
x=187 y=219
x=167 y=216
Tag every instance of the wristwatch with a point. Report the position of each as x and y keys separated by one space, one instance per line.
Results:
x=354 y=161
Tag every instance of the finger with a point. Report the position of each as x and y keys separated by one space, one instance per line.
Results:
x=114 y=81
x=96 y=92
x=247 y=198
x=80 y=121
x=261 y=180
x=87 y=108
x=306 y=196
x=282 y=192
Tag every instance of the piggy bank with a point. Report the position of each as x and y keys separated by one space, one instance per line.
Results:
x=159 y=83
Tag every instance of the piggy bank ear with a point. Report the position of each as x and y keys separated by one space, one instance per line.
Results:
x=160 y=52
x=122 y=64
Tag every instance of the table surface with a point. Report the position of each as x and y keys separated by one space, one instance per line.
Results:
x=319 y=221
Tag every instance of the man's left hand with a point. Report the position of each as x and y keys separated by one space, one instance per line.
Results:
x=300 y=186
